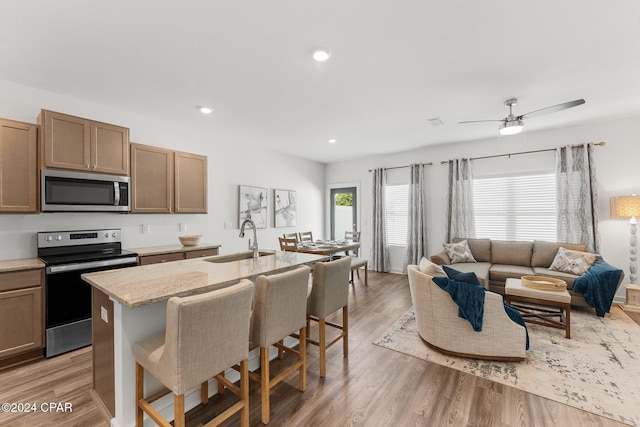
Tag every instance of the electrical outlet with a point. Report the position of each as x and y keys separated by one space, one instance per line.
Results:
x=182 y=227
x=104 y=314
x=227 y=225
x=146 y=228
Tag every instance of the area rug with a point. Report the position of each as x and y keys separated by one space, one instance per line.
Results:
x=597 y=370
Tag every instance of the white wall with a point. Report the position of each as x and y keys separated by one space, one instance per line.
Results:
x=229 y=165
x=617 y=170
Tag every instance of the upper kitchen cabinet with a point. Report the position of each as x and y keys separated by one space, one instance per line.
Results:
x=18 y=167
x=190 y=183
x=151 y=179
x=70 y=142
x=166 y=181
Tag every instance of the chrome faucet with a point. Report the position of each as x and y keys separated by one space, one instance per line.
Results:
x=251 y=224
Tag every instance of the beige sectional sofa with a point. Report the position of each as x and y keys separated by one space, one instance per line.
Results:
x=498 y=260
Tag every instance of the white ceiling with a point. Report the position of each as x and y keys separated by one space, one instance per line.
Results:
x=393 y=65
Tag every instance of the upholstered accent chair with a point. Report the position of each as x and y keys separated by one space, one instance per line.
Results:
x=280 y=309
x=329 y=293
x=205 y=334
x=440 y=327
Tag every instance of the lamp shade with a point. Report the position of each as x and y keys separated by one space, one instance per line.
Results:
x=625 y=206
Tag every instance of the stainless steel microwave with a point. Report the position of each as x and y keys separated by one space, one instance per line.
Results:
x=68 y=191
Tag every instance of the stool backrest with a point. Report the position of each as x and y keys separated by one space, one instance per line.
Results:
x=280 y=306
x=330 y=289
x=206 y=333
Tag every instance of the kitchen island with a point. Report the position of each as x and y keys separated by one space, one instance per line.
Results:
x=129 y=304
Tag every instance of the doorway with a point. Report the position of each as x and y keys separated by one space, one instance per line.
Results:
x=344 y=215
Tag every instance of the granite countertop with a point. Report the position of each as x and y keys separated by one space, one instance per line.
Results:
x=20 y=264
x=147 y=284
x=157 y=250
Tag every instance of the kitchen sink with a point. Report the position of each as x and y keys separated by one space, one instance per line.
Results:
x=237 y=257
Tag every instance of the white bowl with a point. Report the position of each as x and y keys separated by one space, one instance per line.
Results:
x=190 y=239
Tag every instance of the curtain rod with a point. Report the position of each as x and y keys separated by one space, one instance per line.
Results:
x=444 y=162
x=406 y=166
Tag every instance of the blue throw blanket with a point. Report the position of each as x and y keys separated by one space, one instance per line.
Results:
x=598 y=285
x=470 y=299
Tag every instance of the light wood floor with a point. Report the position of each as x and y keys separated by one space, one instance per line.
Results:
x=372 y=387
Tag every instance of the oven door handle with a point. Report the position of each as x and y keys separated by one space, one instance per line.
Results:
x=91 y=264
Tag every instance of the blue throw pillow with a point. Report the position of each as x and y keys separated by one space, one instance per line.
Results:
x=459 y=276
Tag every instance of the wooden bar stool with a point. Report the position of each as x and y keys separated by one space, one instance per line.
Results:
x=205 y=334
x=279 y=310
x=329 y=293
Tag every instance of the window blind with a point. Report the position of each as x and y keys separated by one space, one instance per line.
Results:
x=397 y=211
x=516 y=207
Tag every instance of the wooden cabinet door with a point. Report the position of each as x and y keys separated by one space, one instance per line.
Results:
x=66 y=141
x=151 y=179
x=190 y=183
x=161 y=258
x=18 y=167
x=20 y=321
x=109 y=149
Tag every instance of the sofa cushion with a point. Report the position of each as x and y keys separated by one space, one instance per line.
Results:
x=480 y=248
x=575 y=262
x=459 y=276
x=430 y=268
x=459 y=252
x=545 y=272
x=512 y=253
x=481 y=270
x=545 y=252
x=502 y=272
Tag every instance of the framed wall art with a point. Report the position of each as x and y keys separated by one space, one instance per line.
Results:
x=252 y=203
x=285 y=208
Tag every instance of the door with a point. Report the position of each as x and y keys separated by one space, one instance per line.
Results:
x=344 y=215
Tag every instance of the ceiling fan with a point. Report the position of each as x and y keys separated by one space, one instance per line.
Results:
x=512 y=125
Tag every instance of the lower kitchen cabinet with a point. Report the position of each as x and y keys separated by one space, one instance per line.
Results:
x=21 y=316
x=156 y=255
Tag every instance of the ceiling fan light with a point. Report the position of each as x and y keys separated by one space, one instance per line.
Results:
x=511 y=128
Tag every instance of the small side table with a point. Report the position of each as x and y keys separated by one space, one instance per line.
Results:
x=540 y=306
x=632 y=302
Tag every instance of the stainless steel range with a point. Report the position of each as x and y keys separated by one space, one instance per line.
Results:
x=67 y=255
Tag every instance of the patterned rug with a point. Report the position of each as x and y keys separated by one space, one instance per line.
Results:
x=597 y=370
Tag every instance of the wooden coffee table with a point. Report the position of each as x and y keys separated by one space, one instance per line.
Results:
x=539 y=306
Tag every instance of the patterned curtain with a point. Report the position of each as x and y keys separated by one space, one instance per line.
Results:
x=460 y=220
x=417 y=229
x=379 y=253
x=577 y=196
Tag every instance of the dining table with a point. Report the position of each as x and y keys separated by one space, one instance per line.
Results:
x=328 y=247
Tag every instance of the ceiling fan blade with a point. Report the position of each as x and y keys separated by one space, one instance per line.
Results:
x=480 y=121
x=552 y=109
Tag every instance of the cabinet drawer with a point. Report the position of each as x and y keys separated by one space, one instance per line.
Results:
x=155 y=259
x=201 y=253
x=20 y=279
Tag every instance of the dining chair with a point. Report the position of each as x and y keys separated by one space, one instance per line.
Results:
x=279 y=310
x=305 y=236
x=329 y=293
x=290 y=235
x=356 y=261
x=289 y=245
x=191 y=351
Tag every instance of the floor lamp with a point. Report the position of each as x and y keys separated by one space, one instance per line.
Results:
x=629 y=207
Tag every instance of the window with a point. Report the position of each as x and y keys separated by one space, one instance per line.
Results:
x=516 y=207
x=397 y=210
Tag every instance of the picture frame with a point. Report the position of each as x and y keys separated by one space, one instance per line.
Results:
x=285 y=208
x=252 y=203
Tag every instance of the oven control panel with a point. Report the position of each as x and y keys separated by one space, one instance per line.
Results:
x=80 y=237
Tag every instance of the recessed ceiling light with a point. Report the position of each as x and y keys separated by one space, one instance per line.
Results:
x=321 y=54
x=332 y=140
x=206 y=110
